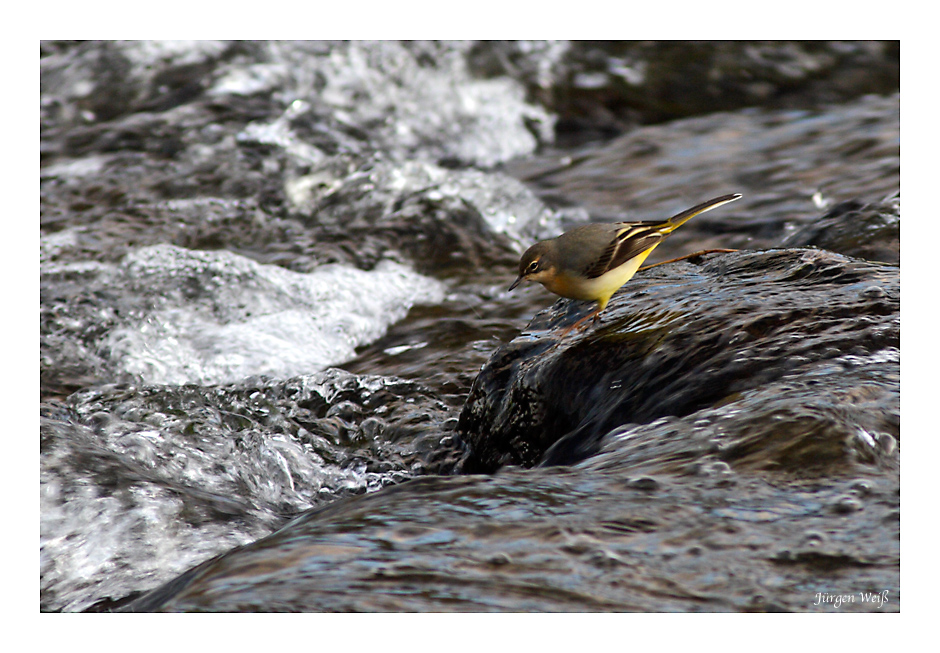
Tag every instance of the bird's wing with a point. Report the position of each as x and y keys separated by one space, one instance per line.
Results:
x=633 y=238
x=630 y=239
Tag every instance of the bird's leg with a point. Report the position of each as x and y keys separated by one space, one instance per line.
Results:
x=594 y=314
x=692 y=255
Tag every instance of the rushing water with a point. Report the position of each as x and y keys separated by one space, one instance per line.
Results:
x=271 y=274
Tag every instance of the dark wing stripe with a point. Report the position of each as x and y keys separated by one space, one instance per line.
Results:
x=600 y=266
x=636 y=244
x=633 y=239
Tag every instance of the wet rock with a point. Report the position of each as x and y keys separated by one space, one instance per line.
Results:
x=398 y=97
x=871 y=231
x=451 y=223
x=179 y=175
x=100 y=81
x=783 y=355
x=600 y=88
x=294 y=154
x=143 y=482
x=554 y=540
x=789 y=165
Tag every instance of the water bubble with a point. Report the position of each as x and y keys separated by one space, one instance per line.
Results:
x=846 y=504
x=874 y=292
x=645 y=483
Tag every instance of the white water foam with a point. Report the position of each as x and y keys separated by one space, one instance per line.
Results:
x=217 y=317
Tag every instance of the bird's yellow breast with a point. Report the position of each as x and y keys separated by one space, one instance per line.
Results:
x=599 y=289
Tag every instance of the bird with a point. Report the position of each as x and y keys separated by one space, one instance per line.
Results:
x=593 y=261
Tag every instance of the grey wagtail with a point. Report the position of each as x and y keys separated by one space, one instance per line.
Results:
x=593 y=261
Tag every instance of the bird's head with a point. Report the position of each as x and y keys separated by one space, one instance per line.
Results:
x=536 y=264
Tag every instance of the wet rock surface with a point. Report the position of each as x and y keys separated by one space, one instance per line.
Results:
x=870 y=231
x=573 y=539
x=602 y=88
x=722 y=441
x=163 y=476
x=677 y=341
x=216 y=211
x=789 y=165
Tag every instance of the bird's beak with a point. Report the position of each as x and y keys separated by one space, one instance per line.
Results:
x=515 y=283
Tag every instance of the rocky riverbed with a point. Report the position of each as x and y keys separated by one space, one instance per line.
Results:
x=280 y=369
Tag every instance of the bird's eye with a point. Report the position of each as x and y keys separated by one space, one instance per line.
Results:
x=533 y=267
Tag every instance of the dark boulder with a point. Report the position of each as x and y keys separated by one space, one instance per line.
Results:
x=680 y=339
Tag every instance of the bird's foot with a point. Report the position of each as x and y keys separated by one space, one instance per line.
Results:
x=594 y=314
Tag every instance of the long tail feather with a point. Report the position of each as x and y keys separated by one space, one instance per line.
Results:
x=679 y=219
